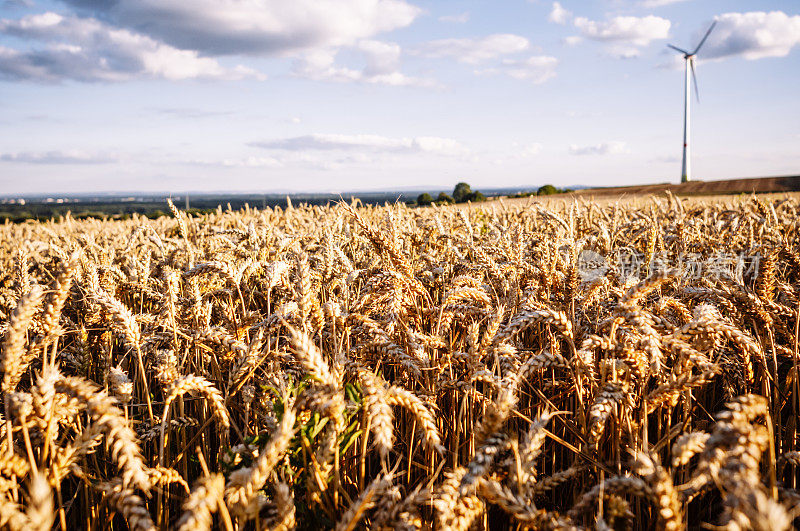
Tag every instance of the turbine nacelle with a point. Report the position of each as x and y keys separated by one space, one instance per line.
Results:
x=686 y=54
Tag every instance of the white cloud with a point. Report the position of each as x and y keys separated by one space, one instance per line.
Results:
x=286 y=160
x=573 y=40
x=368 y=143
x=438 y=145
x=492 y=54
x=254 y=27
x=382 y=57
x=634 y=31
x=478 y=50
x=382 y=63
x=59 y=157
x=86 y=49
x=559 y=15
x=319 y=65
x=461 y=18
x=606 y=148
x=175 y=39
x=538 y=68
x=753 y=35
x=248 y=162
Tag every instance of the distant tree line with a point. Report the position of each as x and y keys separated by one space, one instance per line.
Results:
x=462 y=193
x=153 y=206
x=547 y=189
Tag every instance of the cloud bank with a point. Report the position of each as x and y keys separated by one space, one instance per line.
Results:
x=254 y=27
x=173 y=39
x=86 y=49
x=636 y=31
x=370 y=143
x=58 y=157
x=623 y=35
x=382 y=63
x=475 y=50
x=753 y=35
x=606 y=148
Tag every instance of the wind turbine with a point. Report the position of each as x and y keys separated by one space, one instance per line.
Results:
x=688 y=57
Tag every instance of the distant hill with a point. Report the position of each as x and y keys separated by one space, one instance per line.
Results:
x=789 y=183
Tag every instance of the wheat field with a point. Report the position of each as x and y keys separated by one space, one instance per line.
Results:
x=569 y=366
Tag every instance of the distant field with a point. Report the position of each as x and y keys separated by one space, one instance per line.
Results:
x=154 y=206
x=695 y=191
x=629 y=200
x=722 y=187
x=703 y=189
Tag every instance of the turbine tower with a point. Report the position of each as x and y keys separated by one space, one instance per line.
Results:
x=688 y=57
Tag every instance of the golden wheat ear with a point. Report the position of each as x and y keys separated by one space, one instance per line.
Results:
x=533 y=363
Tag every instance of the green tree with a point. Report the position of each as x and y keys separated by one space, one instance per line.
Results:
x=461 y=193
x=547 y=189
x=424 y=199
x=444 y=199
x=477 y=197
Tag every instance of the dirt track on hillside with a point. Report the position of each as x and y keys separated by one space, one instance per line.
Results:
x=703 y=191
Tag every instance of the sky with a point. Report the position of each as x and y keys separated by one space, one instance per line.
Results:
x=344 y=95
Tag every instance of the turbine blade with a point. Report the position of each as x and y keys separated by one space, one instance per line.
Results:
x=678 y=49
x=694 y=79
x=704 y=37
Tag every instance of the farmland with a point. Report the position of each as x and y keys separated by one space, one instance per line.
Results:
x=548 y=365
x=152 y=205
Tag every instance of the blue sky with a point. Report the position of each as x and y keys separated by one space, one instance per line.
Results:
x=336 y=95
